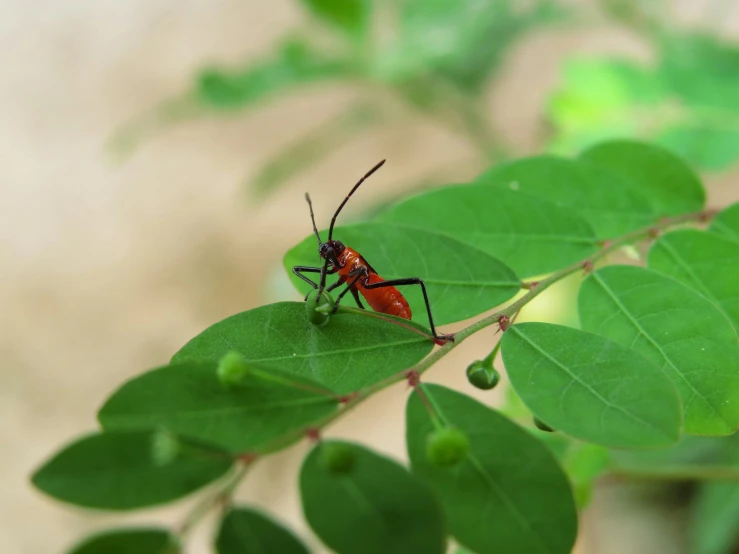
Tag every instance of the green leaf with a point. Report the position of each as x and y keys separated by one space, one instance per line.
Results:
x=128 y=541
x=726 y=222
x=531 y=235
x=377 y=506
x=703 y=143
x=676 y=328
x=691 y=455
x=453 y=37
x=714 y=518
x=117 y=471
x=669 y=184
x=509 y=495
x=244 y=530
x=188 y=398
x=350 y=16
x=584 y=463
x=295 y=63
x=350 y=352
x=701 y=70
x=461 y=280
x=590 y=387
x=605 y=199
x=698 y=260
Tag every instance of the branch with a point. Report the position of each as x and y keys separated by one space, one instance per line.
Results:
x=505 y=314
x=221 y=495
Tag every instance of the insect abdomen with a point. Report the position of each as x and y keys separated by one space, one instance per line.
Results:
x=386 y=300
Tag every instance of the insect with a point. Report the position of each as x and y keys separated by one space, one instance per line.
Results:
x=358 y=276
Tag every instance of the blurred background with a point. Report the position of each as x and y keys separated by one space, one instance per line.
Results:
x=155 y=155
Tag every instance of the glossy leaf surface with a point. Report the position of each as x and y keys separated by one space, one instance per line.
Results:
x=701 y=261
x=462 y=281
x=117 y=471
x=377 y=506
x=128 y=541
x=677 y=329
x=188 y=398
x=245 y=530
x=670 y=186
x=590 y=387
x=350 y=352
x=531 y=235
x=509 y=495
x=605 y=199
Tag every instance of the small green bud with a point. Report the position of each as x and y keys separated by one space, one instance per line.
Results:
x=447 y=447
x=165 y=447
x=482 y=377
x=232 y=369
x=316 y=307
x=338 y=458
x=543 y=426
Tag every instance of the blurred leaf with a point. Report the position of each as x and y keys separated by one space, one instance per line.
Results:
x=704 y=73
x=679 y=330
x=701 y=70
x=375 y=506
x=714 y=525
x=461 y=280
x=117 y=471
x=509 y=495
x=311 y=148
x=670 y=185
x=350 y=16
x=712 y=146
x=690 y=452
x=246 y=531
x=688 y=102
x=600 y=99
x=350 y=352
x=590 y=387
x=463 y=40
x=584 y=463
x=189 y=399
x=128 y=541
x=608 y=201
x=531 y=235
x=295 y=63
x=695 y=258
x=726 y=222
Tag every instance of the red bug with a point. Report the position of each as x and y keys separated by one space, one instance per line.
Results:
x=359 y=276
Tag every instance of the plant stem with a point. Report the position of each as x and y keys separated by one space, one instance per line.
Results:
x=220 y=495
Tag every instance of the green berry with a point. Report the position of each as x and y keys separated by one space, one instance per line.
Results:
x=165 y=447
x=447 y=446
x=232 y=369
x=338 y=458
x=482 y=377
x=313 y=302
x=543 y=426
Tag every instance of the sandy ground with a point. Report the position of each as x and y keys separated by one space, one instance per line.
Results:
x=105 y=270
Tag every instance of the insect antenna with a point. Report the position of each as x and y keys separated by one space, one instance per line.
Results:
x=348 y=196
x=313 y=218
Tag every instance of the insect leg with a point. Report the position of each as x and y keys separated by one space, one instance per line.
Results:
x=300 y=269
x=357 y=274
x=355 y=294
x=414 y=281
